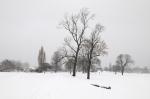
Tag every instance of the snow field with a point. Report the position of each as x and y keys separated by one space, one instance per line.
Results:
x=64 y=86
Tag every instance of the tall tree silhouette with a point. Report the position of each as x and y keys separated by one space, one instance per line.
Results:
x=41 y=57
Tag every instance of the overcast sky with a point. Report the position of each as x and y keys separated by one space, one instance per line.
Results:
x=25 y=25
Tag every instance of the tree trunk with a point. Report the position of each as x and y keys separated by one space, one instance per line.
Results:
x=122 y=71
x=88 y=70
x=74 y=67
x=56 y=67
x=89 y=65
x=75 y=62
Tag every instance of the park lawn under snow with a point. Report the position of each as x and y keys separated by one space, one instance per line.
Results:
x=64 y=86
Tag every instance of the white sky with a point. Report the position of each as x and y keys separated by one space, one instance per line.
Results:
x=25 y=25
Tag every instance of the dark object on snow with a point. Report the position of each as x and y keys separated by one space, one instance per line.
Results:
x=95 y=85
x=101 y=86
x=105 y=87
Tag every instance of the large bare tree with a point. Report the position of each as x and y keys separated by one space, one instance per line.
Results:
x=94 y=46
x=124 y=60
x=76 y=25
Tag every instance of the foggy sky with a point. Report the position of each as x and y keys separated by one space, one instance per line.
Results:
x=26 y=25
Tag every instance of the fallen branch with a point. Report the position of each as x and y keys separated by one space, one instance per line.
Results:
x=101 y=86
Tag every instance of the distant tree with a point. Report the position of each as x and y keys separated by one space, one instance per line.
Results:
x=145 y=70
x=110 y=67
x=56 y=60
x=7 y=62
x=82 y=61
x=76 y=25
x=82 y=64
x=41 y=60
x=7 y=65
x=106 y=69
x=11 y=65
x=45 y=67
x=41 y=56
x=69 y=64
x=96 y=64
x=124 y=60
x=94 y=46
x=116 y=68
x=26 y=67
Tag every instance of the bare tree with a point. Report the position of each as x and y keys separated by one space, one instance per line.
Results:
x=82 y=64
x=12 y=65
x=7 y=65
x=69 y=64
x=56 y=61
x=94 y=46
x=59 y=57
x=41 y=57
x=96 y=64
x=124 y=60
x=116 y=68
x=76 y=25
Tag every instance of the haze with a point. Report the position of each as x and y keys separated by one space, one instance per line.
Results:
x=26 y=25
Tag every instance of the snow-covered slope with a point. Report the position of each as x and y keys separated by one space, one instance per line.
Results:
x=64 y=86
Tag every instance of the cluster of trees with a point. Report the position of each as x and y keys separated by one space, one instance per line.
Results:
x=128 y=69
x=80 y=52
x=55 y=65
x=12 y=65
x=80 y=46
x=138 y=70
x=123 y=63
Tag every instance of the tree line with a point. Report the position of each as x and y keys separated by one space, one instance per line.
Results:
x=78 y=48
x=8 y=65
x=81 y=50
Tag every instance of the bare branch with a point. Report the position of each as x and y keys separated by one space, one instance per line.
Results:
x=67 y=42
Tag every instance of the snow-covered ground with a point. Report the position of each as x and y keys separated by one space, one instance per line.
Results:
x=64 y=86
